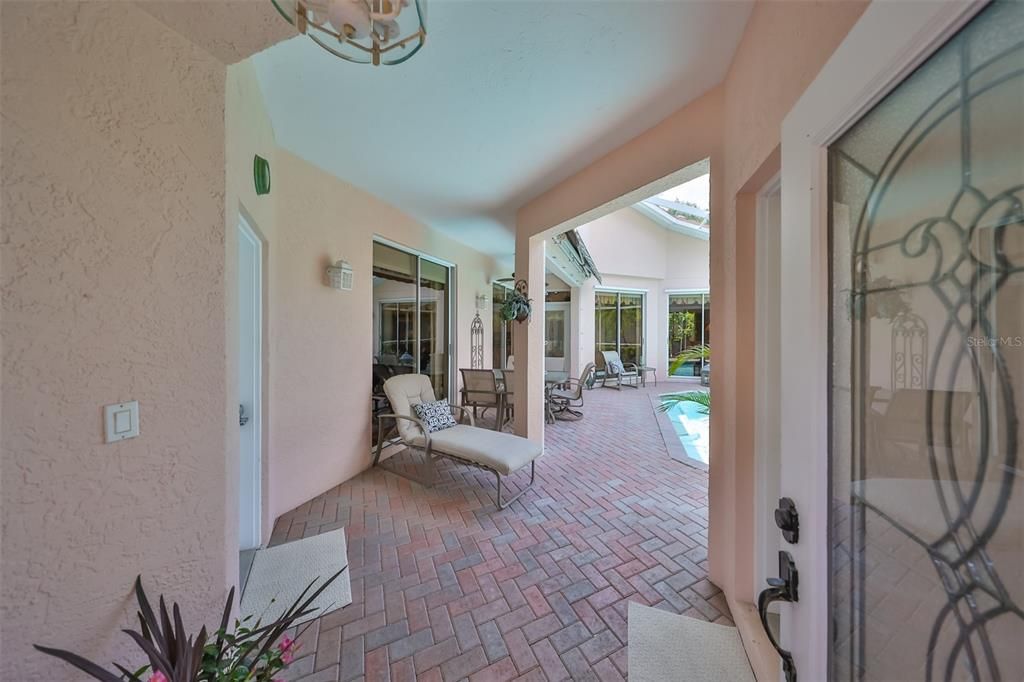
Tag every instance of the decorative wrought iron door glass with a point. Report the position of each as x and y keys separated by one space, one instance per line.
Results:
x=927 y=241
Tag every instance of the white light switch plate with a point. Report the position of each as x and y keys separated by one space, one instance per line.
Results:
x=121 y=421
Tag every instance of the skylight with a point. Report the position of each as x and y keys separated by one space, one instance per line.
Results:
x=685 y=208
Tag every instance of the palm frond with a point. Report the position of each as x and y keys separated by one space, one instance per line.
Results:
x=702 y=398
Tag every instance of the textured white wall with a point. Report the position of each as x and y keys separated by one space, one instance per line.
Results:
x=113 y=289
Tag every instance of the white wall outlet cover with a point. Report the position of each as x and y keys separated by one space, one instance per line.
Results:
x=121 y=421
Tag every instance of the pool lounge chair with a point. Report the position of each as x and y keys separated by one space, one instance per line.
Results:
x=500 y=453
x=619 y=372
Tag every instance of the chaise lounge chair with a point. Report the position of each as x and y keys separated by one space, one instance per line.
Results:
x=500 y=453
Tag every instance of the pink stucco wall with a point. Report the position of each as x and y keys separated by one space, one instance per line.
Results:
x=738 y=127
x=321 y=353
x=113 y=290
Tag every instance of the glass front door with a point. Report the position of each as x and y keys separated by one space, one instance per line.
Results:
x=927 y=242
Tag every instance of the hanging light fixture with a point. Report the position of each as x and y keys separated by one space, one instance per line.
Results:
x=362 y=31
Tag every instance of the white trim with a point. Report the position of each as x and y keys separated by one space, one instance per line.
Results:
x=250 y=472
x=624 y=290
x=677 y=292
x=885 y=45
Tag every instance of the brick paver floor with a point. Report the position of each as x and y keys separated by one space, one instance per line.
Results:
x=446 y=587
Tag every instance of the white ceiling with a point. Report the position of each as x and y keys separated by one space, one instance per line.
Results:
x=507 y=98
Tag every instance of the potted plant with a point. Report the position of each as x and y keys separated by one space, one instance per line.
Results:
x=517 y=306
x=249 y=650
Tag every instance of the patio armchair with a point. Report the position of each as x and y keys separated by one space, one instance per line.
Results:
x=622 y=373
x=499 y=453
x=569 y=393
x=480 y=391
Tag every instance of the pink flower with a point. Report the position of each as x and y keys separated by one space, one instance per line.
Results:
x=158 y=677
x=288 y=648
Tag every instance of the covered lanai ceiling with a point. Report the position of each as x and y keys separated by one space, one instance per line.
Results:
x=507 y=98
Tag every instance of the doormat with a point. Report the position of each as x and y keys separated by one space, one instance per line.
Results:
x=279 y=575
x=664 y=646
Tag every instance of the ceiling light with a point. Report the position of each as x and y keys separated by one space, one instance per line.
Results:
x=362 y=31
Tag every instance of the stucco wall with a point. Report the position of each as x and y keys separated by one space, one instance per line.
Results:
x=318 y=341
x=737 y=126
x=323 y=343
x=113 y=290
x=248 y=133
x=634 y=252
x=783 y=48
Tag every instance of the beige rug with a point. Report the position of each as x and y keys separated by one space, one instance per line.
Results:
x=664 y=647
x=280 y=574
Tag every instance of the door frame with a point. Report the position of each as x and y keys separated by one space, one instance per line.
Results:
x=250 y=494
x=767 y=381
x=888 y=42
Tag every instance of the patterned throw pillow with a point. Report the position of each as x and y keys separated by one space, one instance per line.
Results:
x=616 y=367
x=436 y=416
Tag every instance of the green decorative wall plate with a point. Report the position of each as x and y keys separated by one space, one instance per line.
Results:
x=261 y=174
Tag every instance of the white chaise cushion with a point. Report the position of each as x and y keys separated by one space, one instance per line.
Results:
x=502 y=452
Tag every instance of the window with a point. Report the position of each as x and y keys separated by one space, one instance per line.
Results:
x=619 y=324
x=689 y=325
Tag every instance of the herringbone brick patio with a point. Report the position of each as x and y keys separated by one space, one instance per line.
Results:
x=446 y=587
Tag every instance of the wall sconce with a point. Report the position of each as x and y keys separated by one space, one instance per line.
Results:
x=481 y=301
x=340 y=275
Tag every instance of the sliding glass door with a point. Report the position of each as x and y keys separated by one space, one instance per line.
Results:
x=412 y=297
x=689 y=326
x=619 y=324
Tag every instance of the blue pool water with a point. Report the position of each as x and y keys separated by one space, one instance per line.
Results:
x=693 y=429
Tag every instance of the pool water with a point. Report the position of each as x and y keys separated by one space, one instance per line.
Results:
x=693 y=428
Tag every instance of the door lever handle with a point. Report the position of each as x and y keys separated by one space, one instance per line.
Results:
x=783 y=588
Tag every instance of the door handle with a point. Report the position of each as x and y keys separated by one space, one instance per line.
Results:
x=243 y=418
x=783 y=588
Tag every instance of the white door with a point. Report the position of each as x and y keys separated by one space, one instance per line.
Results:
x=556 y=337
x=250 y=325
x=902 y=288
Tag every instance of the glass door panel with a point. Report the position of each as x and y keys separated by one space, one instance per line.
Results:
x=927 y=240
x=606 y=321
x=631 y=320
x=411 y=325
x=433 y=331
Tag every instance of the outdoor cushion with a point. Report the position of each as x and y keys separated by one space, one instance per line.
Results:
x=502 y=452
x=404 y=391
x=615 y=366
x=435 y=415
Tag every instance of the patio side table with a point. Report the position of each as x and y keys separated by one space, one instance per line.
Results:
x=643 y=375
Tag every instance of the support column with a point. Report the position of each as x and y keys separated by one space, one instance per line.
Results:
x=583 y=326
x=528 y=340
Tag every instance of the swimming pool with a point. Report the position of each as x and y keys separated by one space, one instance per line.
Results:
x=692 y=427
